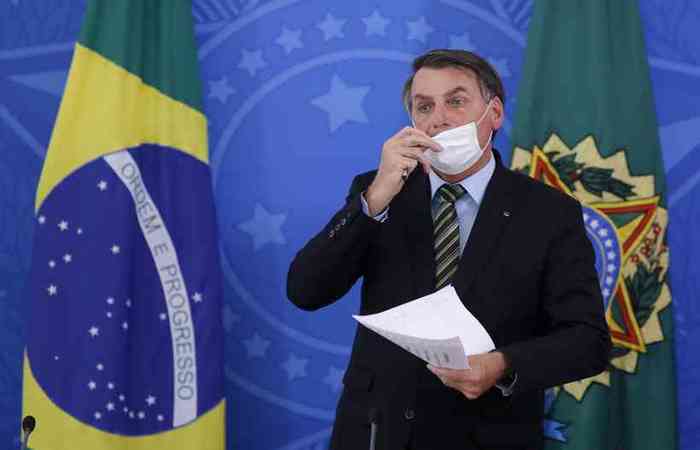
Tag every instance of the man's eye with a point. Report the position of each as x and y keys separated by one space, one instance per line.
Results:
x=456 y=101
x=424 y=108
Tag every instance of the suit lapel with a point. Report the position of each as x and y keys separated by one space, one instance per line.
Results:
x=413 y=212
x=494 y=213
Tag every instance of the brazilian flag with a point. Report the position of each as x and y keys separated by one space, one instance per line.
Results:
x=124 y=344
x=586 y=125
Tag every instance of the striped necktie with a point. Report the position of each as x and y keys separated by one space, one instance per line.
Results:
x=446 y=226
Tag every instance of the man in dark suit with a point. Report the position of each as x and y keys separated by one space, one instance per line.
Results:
x=526 y=271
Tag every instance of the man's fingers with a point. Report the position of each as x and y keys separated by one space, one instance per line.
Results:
x=405 y=166
x=469 y=376
x=471 y=395
x=412 y=152
x=466 y=381
x=415 y=132
x=421 y=142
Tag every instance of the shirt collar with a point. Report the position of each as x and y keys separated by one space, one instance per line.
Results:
x=475 y=184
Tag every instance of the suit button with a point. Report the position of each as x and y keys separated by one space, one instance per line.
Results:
x=409 y=414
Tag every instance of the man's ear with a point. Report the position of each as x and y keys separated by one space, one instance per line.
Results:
x=496 y=113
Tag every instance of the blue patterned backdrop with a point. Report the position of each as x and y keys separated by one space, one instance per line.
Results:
x=300 y=95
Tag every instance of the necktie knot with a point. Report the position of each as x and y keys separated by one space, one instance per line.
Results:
x=451 y=192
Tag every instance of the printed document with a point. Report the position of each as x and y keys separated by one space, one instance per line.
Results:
x=437 y=328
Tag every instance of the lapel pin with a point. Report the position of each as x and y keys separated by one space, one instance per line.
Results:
x=506 y=213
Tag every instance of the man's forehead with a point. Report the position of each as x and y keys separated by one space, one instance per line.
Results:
x=429 y=81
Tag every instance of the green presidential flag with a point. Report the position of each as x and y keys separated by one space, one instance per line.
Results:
x=586 y=125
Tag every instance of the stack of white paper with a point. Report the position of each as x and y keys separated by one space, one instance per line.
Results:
x=436 y=328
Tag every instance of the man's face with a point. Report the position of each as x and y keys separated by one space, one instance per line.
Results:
x=448 y=98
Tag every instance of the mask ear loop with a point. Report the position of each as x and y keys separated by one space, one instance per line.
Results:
x=488 y=105
x=479 y=123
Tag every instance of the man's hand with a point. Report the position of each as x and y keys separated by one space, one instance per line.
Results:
x=401 y=154
x=483 y=373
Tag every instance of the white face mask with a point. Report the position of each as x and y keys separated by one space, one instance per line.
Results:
x=461 y=148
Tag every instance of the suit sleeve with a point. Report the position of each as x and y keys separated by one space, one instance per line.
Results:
x=332 y=261
x=575 y=341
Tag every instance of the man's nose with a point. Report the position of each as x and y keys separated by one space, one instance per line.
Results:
x=439 y=122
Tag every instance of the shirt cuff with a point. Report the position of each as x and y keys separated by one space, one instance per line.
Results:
x=381 y=217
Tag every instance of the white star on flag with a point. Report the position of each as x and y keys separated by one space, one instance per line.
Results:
x=197 y=297
x=151 y=400
x=125 y=325
x=63 y=225
x=98 y=416
x=52 y=290
x=110 y=385
x=163 y=316
x=110 y=406
x=52 y=263
x=42 y=219
x=102 y=185
x=100 y=367
x=110 y=300
x=94 y=331
x=142 y=415
x=92 y=385
x=115 y=249
x=67 y=258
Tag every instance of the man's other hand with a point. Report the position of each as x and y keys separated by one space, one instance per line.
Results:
x=484 y=371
